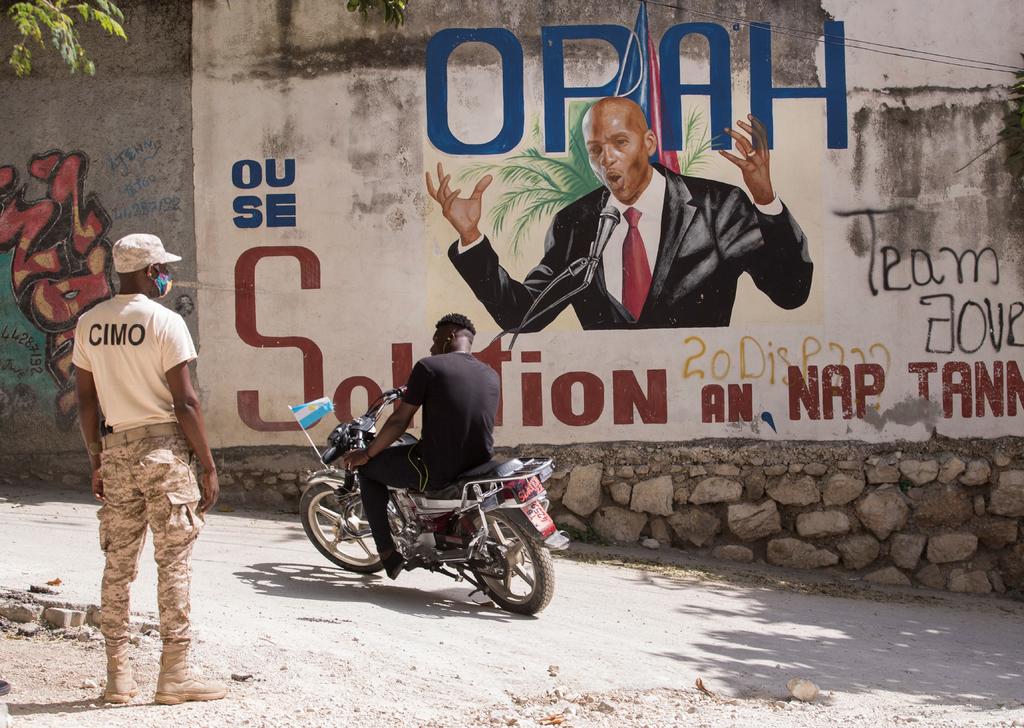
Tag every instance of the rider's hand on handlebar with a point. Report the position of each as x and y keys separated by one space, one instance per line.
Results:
x=355 y=458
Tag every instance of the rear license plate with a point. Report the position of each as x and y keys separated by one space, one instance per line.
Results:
x=540 y=519
x=524 y=490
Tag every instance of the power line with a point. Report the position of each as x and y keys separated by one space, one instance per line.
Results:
x=814 y=35
x=854 y=43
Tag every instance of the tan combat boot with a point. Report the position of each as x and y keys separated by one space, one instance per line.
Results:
x=121 y=686
x=177 y=684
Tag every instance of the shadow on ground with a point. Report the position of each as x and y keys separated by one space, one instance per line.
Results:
x=318 y=583
x=68 y=706
x=965 y=653
x=31 y=502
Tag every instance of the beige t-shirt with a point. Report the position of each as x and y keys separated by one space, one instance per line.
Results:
x=128 y=343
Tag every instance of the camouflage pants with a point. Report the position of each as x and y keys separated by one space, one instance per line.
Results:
x=150 y=483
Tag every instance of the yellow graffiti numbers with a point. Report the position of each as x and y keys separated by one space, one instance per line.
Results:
x=755 y=361
x=686 y=366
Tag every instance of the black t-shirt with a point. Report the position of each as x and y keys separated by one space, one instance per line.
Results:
x=459 y=396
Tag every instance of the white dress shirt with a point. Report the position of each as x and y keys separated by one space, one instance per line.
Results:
x=651 y=205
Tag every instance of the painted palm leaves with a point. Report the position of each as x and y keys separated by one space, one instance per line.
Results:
x=537 y=185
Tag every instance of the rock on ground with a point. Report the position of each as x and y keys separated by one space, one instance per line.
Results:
x=888 y=575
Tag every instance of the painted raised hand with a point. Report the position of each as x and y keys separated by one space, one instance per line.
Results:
x=755 y=164
x=462 y=212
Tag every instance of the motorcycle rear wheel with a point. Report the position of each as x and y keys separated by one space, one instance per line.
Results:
x=529 y=571
x=335 y=525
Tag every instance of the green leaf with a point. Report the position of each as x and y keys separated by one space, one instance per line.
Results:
x=695 y=143
x=21 y=60
x=394 y=10
x=57 y=17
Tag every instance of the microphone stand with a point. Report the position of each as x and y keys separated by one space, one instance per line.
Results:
x=609 y=219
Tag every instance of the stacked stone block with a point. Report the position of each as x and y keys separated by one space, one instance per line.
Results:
x=944 y=520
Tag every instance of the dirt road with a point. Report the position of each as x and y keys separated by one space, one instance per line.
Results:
x=616 y=647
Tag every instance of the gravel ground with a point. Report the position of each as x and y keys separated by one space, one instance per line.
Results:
x=58 y=680
x=621 y=645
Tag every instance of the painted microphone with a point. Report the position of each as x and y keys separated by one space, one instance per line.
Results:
x=605 y=225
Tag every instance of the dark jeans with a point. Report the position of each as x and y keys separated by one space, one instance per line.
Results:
x=398 y=467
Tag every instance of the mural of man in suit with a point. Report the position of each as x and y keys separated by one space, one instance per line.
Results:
x=674 y=259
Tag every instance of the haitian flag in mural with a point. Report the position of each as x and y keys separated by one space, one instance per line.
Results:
x=640 y=81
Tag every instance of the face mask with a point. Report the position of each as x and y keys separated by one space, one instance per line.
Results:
x=163 y=284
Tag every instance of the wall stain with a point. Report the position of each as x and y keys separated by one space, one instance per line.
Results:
x=378 y=202
x=914 y=156
x=861 y=119
x=395 y=219
x=408 y=48
x=911 y=411
x=282 y=143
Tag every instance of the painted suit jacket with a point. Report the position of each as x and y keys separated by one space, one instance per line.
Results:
x=710 y=234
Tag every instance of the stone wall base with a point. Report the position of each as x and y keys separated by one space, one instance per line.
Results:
x=943 y=514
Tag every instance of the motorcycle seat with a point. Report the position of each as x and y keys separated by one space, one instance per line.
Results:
x=497 y=468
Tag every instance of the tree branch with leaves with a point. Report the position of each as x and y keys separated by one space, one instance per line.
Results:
x=57 y=21
x=40 y=23
x=394 y=10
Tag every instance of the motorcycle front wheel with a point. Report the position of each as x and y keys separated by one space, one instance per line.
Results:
x=335 y=525
x=524 y=581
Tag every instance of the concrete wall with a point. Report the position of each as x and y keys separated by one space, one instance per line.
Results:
x=340 y=298
x=316 y=263
x=84 y=161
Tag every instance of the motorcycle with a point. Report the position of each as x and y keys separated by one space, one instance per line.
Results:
x=490 y=527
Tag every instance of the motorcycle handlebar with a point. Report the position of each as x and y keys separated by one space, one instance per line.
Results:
x=335 y=451
x=331 y=454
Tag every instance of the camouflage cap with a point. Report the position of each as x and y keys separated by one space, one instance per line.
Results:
x=138 y=250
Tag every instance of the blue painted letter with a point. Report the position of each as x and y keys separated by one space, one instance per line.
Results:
x=763 y=93
x=552 y=39
x=238 y=176
x=439 y=49
x=719 y=88
x=287 y=179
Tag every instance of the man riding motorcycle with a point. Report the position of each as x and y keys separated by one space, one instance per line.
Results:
x=459 y=395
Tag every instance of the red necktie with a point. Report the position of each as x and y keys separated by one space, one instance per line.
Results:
x=636 y=271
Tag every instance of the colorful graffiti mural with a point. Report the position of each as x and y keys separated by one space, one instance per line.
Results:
x=60 y=266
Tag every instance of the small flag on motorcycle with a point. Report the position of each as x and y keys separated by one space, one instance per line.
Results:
x=310 y=413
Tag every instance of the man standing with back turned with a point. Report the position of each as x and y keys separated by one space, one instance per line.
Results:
x=131 y=356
